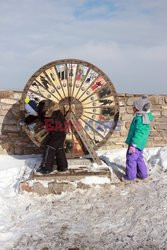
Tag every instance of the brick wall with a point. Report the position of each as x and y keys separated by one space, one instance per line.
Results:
x=15 y=141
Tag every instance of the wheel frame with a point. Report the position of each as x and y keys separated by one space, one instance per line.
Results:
x=84 y=63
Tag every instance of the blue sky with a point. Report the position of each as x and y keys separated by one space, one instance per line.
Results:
x=126 y=39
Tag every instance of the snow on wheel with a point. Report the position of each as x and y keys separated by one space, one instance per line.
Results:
x=85 y=90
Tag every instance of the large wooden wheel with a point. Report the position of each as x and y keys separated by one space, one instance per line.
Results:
x=83 y=88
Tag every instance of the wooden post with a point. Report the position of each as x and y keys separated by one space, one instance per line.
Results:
x=70 y=116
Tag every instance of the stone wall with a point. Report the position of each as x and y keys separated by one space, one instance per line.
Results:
x=158 y=135
x=14 y=141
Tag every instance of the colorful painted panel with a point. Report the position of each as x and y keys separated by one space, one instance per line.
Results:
x=75 y=86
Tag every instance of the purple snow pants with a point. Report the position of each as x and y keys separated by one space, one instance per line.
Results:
x=135 y=165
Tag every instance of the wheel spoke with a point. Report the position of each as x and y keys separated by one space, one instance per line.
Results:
x=81 y=88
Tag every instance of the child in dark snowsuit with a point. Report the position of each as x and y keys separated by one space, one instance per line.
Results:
x=54 y=142
x=137 y=140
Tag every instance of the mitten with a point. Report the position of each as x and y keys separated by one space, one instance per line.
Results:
x=132 y=149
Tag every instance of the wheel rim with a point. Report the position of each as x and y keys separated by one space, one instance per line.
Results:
x=86 y=90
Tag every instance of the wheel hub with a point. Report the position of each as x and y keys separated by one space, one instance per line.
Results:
x=71 y=104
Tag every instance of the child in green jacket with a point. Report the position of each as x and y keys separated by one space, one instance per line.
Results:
x=137 y=139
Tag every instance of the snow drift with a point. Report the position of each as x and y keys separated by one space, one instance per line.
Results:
x=118 y=217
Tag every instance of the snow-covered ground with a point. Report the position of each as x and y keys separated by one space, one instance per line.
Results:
x=132 y=216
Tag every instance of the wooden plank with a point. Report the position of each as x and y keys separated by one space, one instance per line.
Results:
x=71 y=175
x=85 y=140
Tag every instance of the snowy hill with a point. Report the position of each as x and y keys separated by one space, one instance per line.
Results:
x=125 y=216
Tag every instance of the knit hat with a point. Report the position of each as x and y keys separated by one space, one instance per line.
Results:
x=142 y=104
x=26 y=100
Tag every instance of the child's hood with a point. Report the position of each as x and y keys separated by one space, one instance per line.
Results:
x=150 y=115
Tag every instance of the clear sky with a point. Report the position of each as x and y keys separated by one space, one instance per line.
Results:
x=127 y=39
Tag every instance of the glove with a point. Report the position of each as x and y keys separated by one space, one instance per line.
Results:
x=22 y=122
x=132 y=149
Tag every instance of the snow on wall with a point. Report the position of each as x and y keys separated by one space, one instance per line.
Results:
x=15 y=141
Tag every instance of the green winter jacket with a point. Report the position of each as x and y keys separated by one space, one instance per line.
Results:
x=139 y=132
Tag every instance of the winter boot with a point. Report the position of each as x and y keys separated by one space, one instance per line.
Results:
x=61 y=160
x=48 y=161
